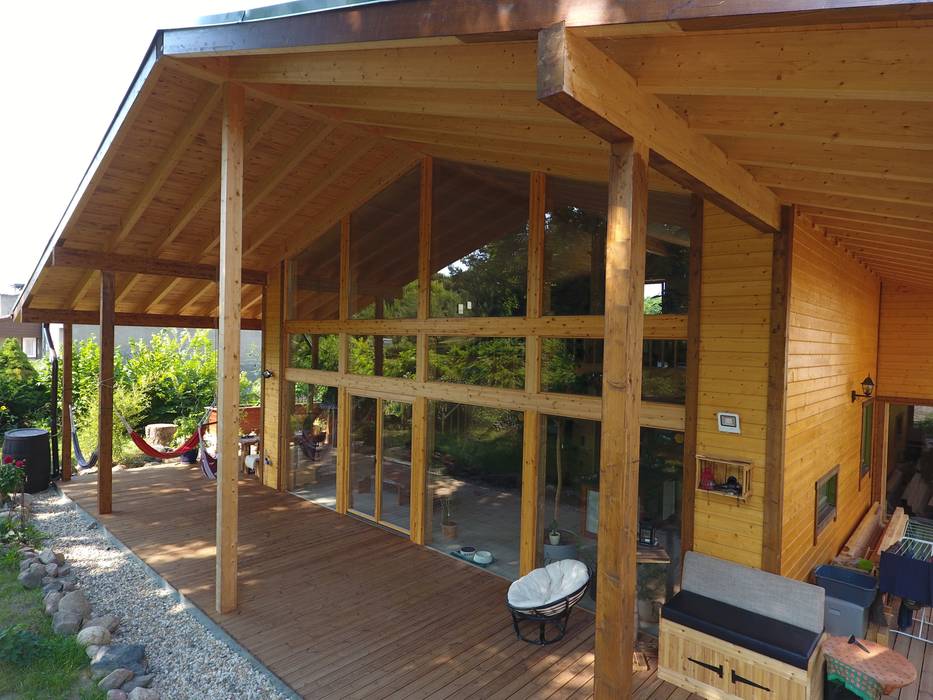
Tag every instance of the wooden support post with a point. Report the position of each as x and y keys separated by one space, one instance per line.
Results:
x=105 y=416
x=274 y=353
x=531 y=532
x=343 y=366
x=618 y=482
x=67 y=400
x=773 y=518
x=691 y=413
x=420 y=503
x=879 y=452
x=228 y=369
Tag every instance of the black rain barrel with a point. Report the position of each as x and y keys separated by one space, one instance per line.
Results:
x=31 y=444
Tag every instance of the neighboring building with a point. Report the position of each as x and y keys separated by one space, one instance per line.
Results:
x=29 y=335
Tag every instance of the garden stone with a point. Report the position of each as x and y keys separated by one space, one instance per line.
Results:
x=108 y=622
x=75 y=602
x=51 y=570
x=120 y=656
x=137 y=682
x=144 y=694
x=91 y=650
x=94 y=635
x=115 y=679
x=64 y=569
x=51 y=601
x=69 y=586
x=31 y=578
x=52 y=587
x=66 y=622
x=116 y=695
x=47 y=556
x=59 y=558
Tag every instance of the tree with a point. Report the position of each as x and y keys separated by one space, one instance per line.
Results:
x=24 y=399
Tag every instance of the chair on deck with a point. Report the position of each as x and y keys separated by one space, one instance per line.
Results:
x=546 y=596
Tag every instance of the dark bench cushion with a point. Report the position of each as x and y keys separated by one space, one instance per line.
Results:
x=775 y=639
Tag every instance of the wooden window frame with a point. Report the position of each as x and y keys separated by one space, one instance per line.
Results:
x=864 y=466
x=819 y=526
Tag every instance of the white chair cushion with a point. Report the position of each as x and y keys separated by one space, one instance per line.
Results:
x=548 y=585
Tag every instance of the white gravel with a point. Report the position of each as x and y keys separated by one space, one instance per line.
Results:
x=188 y=662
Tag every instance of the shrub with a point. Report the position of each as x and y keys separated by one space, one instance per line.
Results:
x=24 y=398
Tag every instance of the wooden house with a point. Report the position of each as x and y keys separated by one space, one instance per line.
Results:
x=449 y=217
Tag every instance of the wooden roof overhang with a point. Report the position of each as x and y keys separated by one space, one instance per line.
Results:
x=827 y=109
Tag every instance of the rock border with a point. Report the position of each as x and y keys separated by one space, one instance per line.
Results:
x=178 y=597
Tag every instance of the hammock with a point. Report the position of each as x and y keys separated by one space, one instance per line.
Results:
x=147 y=449
x=84 y=463
x=207 y=462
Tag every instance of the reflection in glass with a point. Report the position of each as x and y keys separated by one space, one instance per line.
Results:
x=314 y=280
x=383 y=356
x=664 y=370
x=395 y=506
x=363 y=454
x=475 y=481
x=311 y=351
x=497 y=362
x=312 y=442
x=479 y=241
x=384 y=251
x=572 y=365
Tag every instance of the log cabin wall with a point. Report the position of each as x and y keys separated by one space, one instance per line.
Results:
x=832 y=345
x=905 y=364
x=734 y=341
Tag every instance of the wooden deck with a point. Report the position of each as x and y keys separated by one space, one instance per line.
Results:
x=338 y=608
x=921 y=656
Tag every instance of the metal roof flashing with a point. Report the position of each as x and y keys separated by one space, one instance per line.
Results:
x=284 y=9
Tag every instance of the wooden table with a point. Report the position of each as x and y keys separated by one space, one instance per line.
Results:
x=869 y=674
x=248 y=445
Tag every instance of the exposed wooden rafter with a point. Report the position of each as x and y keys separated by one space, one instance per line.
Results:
x=583 y=83
x=70 y=257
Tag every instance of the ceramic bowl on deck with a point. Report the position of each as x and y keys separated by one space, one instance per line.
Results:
x=467 y=552
x=483 y=557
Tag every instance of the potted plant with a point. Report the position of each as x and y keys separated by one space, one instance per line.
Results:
x=553 y=534
x=448 y=524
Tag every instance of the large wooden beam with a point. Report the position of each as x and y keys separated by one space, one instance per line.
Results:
x=32 y=315
x=71 y=257
x=581 y=82
x=228 y=368
x=626 y=238
x=105 y=403
x=692 y=398
x=67 y=400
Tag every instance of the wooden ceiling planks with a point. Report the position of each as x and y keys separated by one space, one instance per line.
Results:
x=833 y=120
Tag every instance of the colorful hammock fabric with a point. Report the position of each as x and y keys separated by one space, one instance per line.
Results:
x=150 y=451
x=83 y=462
x=208 y=463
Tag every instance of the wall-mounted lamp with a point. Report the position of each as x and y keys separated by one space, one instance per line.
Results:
x=267 y=374
x=868 y=387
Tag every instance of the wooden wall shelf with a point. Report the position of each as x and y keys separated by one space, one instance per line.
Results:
x=721 y=470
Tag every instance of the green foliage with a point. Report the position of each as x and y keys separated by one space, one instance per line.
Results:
x=498 y=362
x=12 y=533
x=24 y=399
x=19 y=645
x=12 y=477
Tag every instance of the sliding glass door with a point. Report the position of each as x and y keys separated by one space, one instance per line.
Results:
x=380 y=461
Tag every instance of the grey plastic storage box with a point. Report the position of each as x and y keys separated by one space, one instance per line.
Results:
x=843 y=618
x=846 y=584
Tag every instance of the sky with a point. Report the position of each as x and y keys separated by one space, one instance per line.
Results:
x=67 y=66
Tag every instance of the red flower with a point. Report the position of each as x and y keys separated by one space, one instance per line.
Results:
x=21 y=463
x=8 y=460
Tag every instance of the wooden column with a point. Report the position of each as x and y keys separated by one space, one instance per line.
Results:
x=343 y=366
x=228 y=336
x=274 y=351
x=691 y=402
x=421 y=416
x=67 y=372
x=776 y=419
x=532 y=533
x=105 y=416
x=618 y=480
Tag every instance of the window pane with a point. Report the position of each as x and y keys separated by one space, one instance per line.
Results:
x=476 y=482
x=312 y=442
x=314 y=280
x=572 y=366
x=826 y=499
x=479 y=241
x=383 y=356
x=396 y=463
x=868 y=411
x=664 y=370
x=574 y=247
x=310 y=351
x=497 y=362
x=384 y=251
x=362 y=454
x=575 y=242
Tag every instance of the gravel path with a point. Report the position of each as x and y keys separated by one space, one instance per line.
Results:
x=188 y=662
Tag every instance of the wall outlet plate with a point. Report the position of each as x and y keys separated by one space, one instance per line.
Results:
x=729 y=423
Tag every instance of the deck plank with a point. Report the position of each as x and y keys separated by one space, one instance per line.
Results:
x=338 y=608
